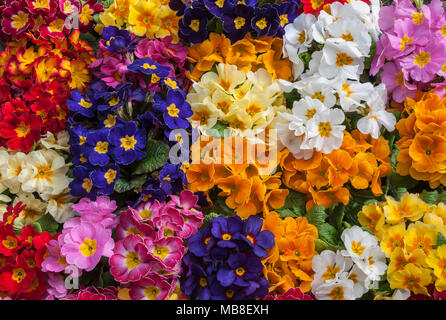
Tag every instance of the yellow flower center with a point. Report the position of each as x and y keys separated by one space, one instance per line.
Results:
x=347 y=37
x=220 y=3
x=324 y=129
x=331 y=272
x=110 y=175
x=82 y=140
x=148 y=66
x=173 y=111
x=422 y=58
x=229 y=293
x=88 y=247
x=151 y=292
x=22 y=130
x=240 y=271
x=343 y=59
x=337 y=293
x=101 y=147
x=161 y=252
x=443 y=30
x=400 y=79
x=404 y=42
x=315 y=4
x=10 y=243
x=203 y=282
x=261 y=24
x=87 y=184
x=18 y=274
x=357 y=248
x=132 y=260
x=113 y=102
x=239 y=22
x=310 y=113
x=172 y=84
x=128 y=143
x=85 y=104
x=110 y=121
x=146 y=214
x=19 y=20
x=418 y=17
x=283 y=20
x=318 y=95
x=226 y=236
x=346 y=88
x=44 y=172
x=195 y=25
x=302 y=37
x=41 y=4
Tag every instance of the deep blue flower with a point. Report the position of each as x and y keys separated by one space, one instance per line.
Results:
x=171 y=178
x=243 y=271
x=266 y=21
x=149 y=67
x=226 y=230
x=78 y=135
x=175 y=109
x=104 y=178
x=128 y=142
x=149 y=120
x=118 y=40
x=198 y=283
x=217 y=7
x=139 y=95
x=98 y=88
x=255 y=238
x=227 y=293
x=287 y=13
x=97 y=147
x=177 y=5
x=78 y=155
x=201 y=242
x=193 y=25
x=152 y=192
x=171 y=84
x=81 y=103
x=82 y=186
x=237 y=22
x=116 y=98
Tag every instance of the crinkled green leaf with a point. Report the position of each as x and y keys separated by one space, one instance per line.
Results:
x=122 y=185
x=430 y=197
x=157 y=154
x=294 y=213
x=440 y=240
x=316 y=216
x=46 y=223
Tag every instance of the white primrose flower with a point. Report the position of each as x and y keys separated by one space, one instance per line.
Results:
x=329 y=265
x=35 y=209
x=44 y=172
x=16 y=163
x=59 y=206
x=4 y=157
x=361 y=281
x=339 y=289
x=325 y=131
x=319 y=88
x=373 y=263
x=341 y=59
x=58 y=142
x=352 y=93
x=378 y=116
x=368 y=14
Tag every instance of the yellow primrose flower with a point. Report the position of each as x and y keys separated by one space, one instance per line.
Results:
x=409 y=207
x=420 y=236
x=393 y=237
x=437 y=261
x=399 y=259
x=413 y=278
x=372 y=217
x=437 y=216
x=144 y=19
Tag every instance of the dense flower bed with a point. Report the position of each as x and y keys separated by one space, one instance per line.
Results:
x=222 y=150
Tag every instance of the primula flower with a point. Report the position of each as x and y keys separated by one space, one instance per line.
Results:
x=85 y=244
x=237 y=22
x=153 y=288
x=149 y=67
x=168 y=251
x=175 y=109
x=20 y=132
x=130 y=261
x=192 y=26
x=97 y=147
x=128 y=142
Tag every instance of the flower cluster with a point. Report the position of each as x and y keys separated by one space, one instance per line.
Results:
x=244 y=102
x=248 y=54
x=149 y=249
x=409 y=53
x=249 y=187
x=411 y=234
x=237 y=18
x=422 y=147
x=45 y=18
x=144 y=18
x=21 y=258
x=224 y=260
x=35 y=85
x=347 y=274
x=326 y=179
x=288 y=264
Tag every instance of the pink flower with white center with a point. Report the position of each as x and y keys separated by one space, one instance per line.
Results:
x=131 y=260
x=166 y=273
x=94 y=293
x=424 y=63
x=187 y=200
x=85 y=244
x=168 y=251
x=55 y=262
x=193 y=219
x=153 y=288
x=99 y=211
x=147 y=210
x=129 y=224
x=396 y=82
x=169 y=223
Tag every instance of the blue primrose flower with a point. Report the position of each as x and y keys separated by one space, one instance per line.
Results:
x=104 y=178
x=82 y=185
x=266 y=21
x=171 y=177
x=152 y=192
x=201 y=242
x=128 y=142
x=97 y=147
x=243 y=271
x=117 y=98
x=81 y=103
x=255 y=238
x=287 y=13
x=226 y=230
x=177 y=5
x=197 y=281
x=237 y=22
x=218 y=7
x=149 y=67
x=193 y=25
x=175 y=109
x=118 y=40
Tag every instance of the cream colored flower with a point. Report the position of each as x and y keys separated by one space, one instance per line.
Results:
x=35 y=209
x=59 y=206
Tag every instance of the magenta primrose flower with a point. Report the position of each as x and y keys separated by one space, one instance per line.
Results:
x=153 y=288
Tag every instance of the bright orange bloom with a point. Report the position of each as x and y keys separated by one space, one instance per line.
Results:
x=200 y=177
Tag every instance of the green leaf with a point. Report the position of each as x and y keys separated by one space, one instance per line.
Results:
x=294 y=213
x=316 y=216
x=306 y=58
x=290 y=97
x=218 y=130
x=400 y=191
x=329 y=234
x=293 y=200
x=138 y=181
x=107 y=3
x=221 y=207
x=208 y=218
x=46 y=223
x=430 y=197
x=122 y=185
x=92 y=40
x=442 y=197
x=157 y=154
x=440 y=240
x=321 y=245
x=335 y=218
x=406 y=181
x=368 y=60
